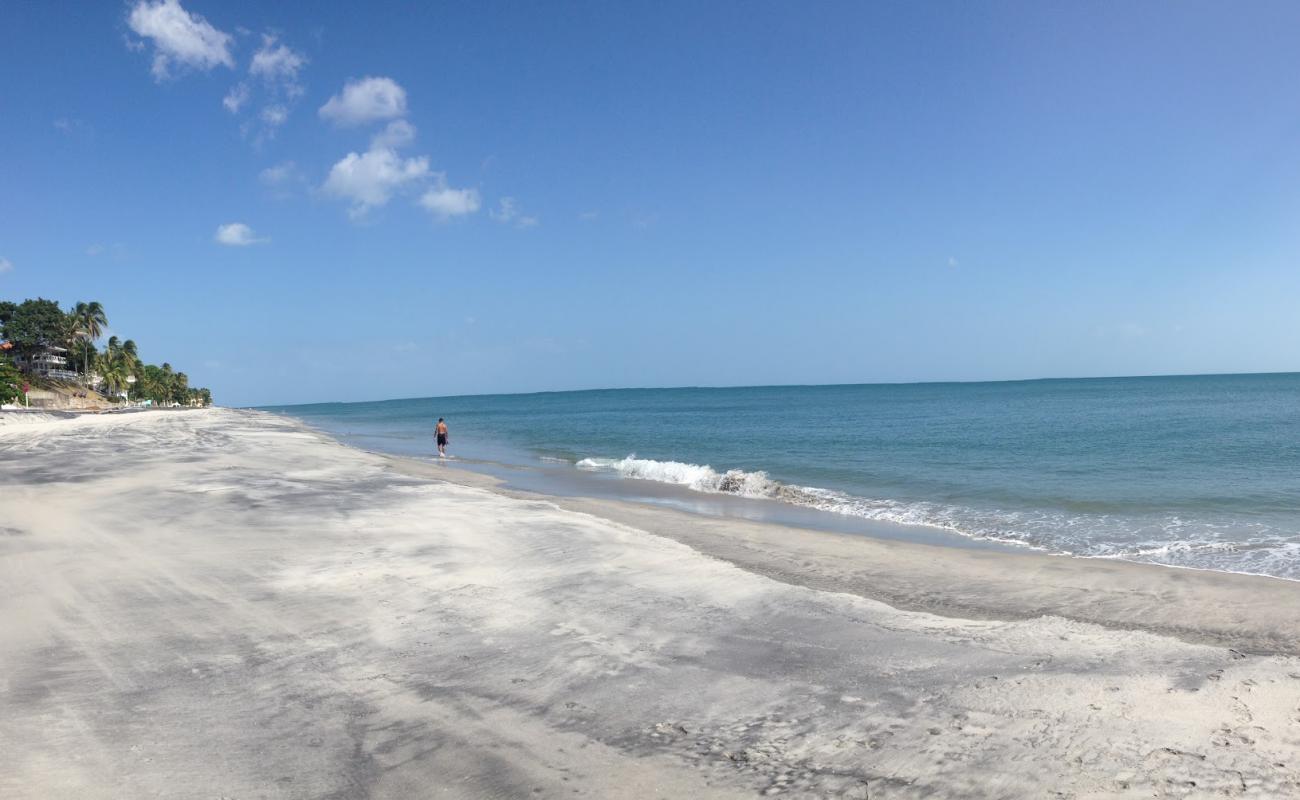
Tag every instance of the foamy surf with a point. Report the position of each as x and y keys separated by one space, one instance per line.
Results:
x=1164 y=541
x=758 y=485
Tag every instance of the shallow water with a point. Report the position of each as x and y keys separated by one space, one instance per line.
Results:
x=1200 y=471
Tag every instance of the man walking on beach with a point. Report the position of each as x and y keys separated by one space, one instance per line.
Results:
x=441 y=431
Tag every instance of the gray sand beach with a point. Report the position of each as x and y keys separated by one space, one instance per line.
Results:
x=226 y=604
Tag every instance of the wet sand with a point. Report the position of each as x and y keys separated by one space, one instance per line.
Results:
x=226 y=604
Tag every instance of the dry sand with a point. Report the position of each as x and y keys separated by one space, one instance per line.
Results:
x=224 y=604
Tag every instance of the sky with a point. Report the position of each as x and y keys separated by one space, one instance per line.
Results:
x=299 y=202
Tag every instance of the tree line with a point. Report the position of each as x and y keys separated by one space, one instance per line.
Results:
x=33 y=326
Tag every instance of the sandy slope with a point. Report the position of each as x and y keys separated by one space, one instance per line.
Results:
x=223 y=604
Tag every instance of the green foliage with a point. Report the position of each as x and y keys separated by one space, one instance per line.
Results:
x=116 y=367
x=87 y=322
x=164 y=386
x=11 y=381
x=81 y=353
x=33 y=324
x=88 y=319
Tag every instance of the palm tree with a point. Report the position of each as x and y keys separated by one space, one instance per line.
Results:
x=181 y=387
x=134 y=367
x=112 y=369
x=89 y=321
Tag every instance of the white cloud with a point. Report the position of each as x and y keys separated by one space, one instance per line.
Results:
x=237 y=234
x=235 y=98
x=179 y=37
x=278 y=64
x=274 y=69
x=369 y=179
x=446 y=202
x=279 y=174
x=6 y=266
x=366 y=100
x=399 y=133
x=69 y=125
x=275 y=115
x=588 y=216
x=116 y=251
x=952 y=262
x=507 y=212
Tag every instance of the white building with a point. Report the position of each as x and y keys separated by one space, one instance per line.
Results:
x=48 y=362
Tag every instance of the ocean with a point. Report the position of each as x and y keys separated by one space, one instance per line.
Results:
x=1191 y=471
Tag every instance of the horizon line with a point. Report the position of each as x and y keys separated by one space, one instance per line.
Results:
x=781 y=386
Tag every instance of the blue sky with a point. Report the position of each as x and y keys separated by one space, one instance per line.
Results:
x=327 y=201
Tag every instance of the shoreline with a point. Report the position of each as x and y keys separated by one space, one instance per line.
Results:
x=1141 y=525
x=962 y=582
x=873 y=529
x=329 y=622
x=1252 y=622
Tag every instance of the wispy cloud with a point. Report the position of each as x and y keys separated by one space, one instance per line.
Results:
x=952 y=262
x=280 y=174
x=278 y=64
x=588 y=216
x=236 y=98
x=69 y=125
x=6 y=266
x=284 y=180
x=398 y=133
x=366 y=100
x=507 y=213
x=116 y=250
x=237 y=234
x=274 y=115
x=179 y=38
x=274 y=77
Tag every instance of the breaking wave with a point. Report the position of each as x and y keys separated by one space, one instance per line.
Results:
x=1228 y=546
x=758 y=485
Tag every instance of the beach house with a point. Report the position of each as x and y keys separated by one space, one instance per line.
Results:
x=49 y=361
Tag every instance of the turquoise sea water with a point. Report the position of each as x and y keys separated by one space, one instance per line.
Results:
x=1200 y=471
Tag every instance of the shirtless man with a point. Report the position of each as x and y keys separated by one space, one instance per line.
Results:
x=441 y=431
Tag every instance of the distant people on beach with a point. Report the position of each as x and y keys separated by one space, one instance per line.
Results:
x=441 y=431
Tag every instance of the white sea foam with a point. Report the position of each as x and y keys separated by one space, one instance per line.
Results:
x=1171 y=540
x=703 y=478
